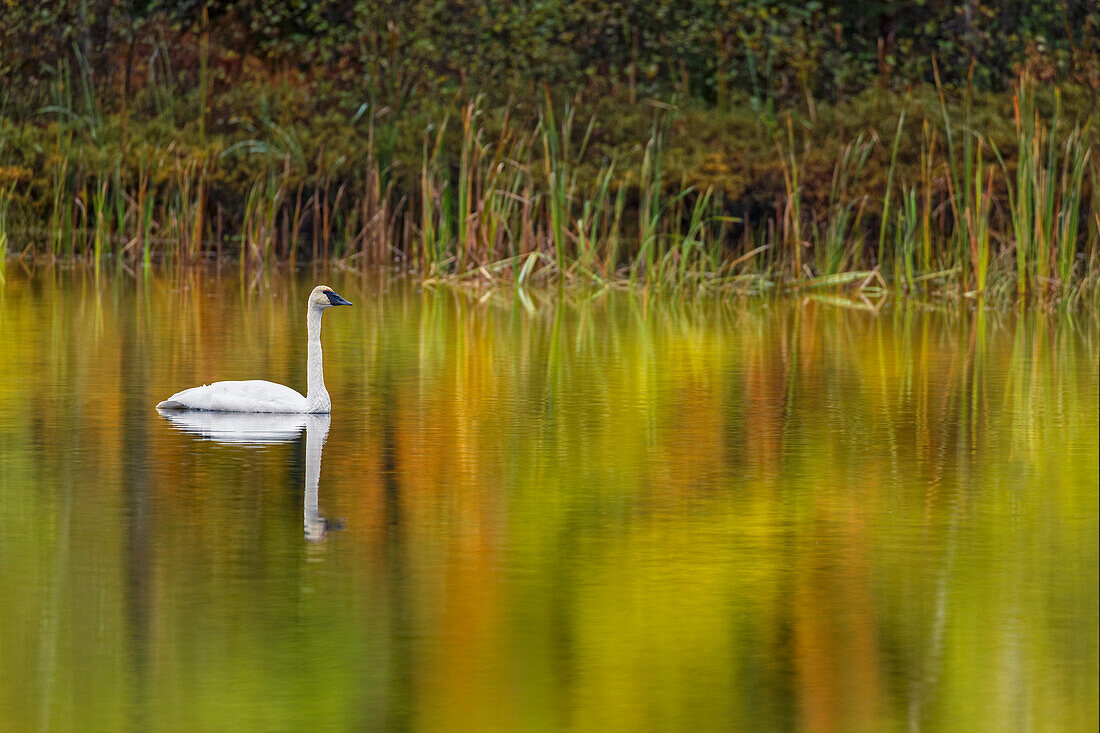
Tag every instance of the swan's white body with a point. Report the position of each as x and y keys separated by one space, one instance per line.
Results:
x=254 y=395
x=257 y=395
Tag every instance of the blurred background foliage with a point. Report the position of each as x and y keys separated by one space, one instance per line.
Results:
x=777 y=51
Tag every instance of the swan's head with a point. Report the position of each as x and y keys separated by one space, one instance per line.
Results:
x=325 y=297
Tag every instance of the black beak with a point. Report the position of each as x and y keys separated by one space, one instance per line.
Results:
x=335 y=299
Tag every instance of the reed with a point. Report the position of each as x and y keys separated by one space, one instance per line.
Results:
x=187 y=212
x=9 y=179
x=693 y=255
x=100 y=229
x=62 y=210
x=560 y=167
x=958 y=168
x=499 y=197
x=433 y=237
x=592 y=225
x=1045 y=198
x=265 y=198
x=144 y=205
x=977 y=219
x=7 y=194
x=1092 y=264
x=887 y=199
x=841 y=243
x=649 y=208
x=1075 y=161
x=926 y=184
x=909 y=225
x=789 y=231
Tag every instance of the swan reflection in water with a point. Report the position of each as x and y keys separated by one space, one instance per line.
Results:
x=242 y=428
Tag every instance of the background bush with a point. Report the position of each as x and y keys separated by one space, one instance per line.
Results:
x=772 y=50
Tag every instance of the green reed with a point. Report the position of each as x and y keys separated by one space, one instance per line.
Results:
x=187 y=212
x=433 y=226
x=959 y=171
x=560 y=167
x=926 y=183
x=890 y=183
x=1045 y=197
x=788 y=234
x=649 y=208
x=977 y=218
x=7 y=194
x=1092 y=263
x=906 y=231
x=692 y=251
x=592 y=225
x=9 y=179
x=145 y=199
x=259 y=231
x=101 y=223
x=841 y=242
x=502 y=198
x=466 y=184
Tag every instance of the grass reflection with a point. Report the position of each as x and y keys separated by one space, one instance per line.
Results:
x=592 y=511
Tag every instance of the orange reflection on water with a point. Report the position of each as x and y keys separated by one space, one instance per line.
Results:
x=607 y=512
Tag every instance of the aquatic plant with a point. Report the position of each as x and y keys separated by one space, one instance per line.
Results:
x=841 y=242
x=940 y=200
x=1045 y=197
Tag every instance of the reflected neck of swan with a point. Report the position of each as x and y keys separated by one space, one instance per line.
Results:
x=316 y=433
x=317 y=399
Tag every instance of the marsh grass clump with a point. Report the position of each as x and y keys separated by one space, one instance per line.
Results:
x=1045 y=199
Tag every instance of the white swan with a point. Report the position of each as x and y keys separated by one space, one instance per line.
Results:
x=257 y=395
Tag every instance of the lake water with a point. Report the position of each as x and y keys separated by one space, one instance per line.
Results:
x=562 y=511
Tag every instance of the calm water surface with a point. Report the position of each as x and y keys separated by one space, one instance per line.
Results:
x=585 y=512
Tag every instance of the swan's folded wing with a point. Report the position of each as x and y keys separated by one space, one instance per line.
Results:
x=254 y=395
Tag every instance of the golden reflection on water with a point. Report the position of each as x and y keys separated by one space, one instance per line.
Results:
x=591 y=511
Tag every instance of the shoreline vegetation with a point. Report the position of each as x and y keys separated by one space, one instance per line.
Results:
x=956 y=181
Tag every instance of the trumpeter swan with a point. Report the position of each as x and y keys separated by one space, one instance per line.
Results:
x=257 y=395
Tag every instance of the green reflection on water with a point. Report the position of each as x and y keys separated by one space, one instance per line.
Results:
x=595 y=512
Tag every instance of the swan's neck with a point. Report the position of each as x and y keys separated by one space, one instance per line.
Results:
x=317 y=399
